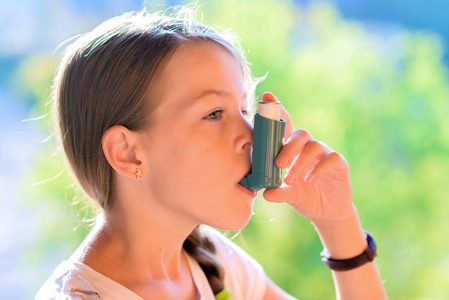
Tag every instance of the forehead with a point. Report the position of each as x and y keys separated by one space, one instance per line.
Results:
x=199 y=66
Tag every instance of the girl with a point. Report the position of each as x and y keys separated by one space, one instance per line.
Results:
x=152 y=114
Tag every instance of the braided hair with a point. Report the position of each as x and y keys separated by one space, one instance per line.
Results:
x=199 y=246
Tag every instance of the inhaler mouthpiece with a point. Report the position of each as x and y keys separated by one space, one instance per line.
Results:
x=269 y=131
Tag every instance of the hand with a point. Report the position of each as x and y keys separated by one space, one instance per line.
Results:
x=317 y=183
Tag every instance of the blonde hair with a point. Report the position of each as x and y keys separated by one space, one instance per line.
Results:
x=109 y=77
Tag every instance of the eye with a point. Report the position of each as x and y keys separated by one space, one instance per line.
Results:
x=215 y=116
x=244 y=112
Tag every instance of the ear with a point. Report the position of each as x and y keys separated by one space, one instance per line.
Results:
x=120 y=148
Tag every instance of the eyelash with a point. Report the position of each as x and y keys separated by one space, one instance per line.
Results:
x=220 y=111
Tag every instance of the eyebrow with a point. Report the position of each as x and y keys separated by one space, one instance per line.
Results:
x=219 y=93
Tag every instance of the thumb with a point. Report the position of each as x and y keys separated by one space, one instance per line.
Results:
x=280 y=194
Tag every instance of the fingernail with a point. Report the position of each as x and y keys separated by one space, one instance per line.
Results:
x=282 y=160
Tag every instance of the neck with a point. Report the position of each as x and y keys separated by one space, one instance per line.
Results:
x=125 y=242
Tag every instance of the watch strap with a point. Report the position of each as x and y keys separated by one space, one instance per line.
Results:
x=351 y=263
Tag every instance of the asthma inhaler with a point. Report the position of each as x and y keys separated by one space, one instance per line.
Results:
x=269 y=131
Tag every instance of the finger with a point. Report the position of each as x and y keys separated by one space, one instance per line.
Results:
x=324 y=166
x=268 y=96
x=292 y=147
x=289 y=127
x=313 y=150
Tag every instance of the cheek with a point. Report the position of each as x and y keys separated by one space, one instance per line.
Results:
x=197 y=177
x=199 y=166
x=190 y=163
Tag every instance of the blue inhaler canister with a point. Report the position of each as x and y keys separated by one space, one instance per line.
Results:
x=269 y=131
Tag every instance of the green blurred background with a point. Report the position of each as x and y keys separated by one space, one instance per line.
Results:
x=375 y=89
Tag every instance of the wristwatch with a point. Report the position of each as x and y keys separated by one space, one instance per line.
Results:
x=351 y=263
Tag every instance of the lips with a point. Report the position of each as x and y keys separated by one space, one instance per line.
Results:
x=247 y=191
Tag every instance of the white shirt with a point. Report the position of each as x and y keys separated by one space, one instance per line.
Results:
x=243 y=276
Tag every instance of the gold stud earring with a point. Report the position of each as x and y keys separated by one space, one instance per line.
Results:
x=138 y=173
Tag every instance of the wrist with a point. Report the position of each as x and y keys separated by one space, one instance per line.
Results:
x=344 y=238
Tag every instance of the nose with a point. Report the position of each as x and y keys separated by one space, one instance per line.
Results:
x=244 y=140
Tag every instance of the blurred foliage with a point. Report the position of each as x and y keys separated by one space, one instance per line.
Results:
x=379 y=99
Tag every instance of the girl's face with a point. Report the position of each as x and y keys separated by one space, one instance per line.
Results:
x=198 y=148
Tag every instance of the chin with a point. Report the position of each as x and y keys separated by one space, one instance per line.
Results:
x=236 y=222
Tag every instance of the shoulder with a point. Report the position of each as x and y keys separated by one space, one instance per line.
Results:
x=243 y=274
x=66 y=283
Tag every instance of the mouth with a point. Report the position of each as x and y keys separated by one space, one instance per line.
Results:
x=244 y=184
x=247 y=191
